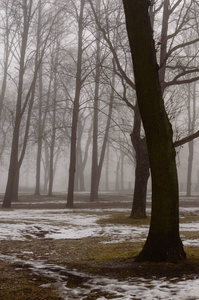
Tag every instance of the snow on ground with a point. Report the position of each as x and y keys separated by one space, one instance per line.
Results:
x=63 y=224
x=133 y=288
x=21 y=224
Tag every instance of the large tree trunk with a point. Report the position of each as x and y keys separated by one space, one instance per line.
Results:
x=163 y=242
x=141 y=169
x=142 y=162
x=141 y=179
x=163 y=47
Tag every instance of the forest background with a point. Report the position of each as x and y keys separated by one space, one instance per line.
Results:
x=67 y=87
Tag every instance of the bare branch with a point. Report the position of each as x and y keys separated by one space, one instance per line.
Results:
x=187 y=139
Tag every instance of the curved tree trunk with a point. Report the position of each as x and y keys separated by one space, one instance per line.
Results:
x=163 y=242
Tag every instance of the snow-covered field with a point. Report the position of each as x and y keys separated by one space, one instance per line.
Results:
x=21 y=224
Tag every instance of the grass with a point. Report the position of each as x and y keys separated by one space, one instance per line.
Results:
x=92 y=255
x=18 y=283
x=192 y=254
x=118 y=218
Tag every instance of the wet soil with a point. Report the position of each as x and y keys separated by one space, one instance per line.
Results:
x=117 y=261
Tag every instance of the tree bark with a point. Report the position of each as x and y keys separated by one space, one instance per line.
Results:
x=107 y=168
x=189 y=169
x=191 y=125
x=94 y=168
x=141 y=179
x=72 y=167
x=163 y=45
x=14 y=164
x=141 y=169
x=39 y=135
x=46 y=166
x=105 y=140
x=53 y=136
x=163 y=242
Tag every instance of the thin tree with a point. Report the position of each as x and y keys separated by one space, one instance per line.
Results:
x=13 y=168
x=39 y=131
x=94 y=168
x=79 y=82
x=82 y=153
x=191 y=126
x=23 y=103
x=10 y=29
x=53 y=119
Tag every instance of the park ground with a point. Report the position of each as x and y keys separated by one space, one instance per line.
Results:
x=50 y=252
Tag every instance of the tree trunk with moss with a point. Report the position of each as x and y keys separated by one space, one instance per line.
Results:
x=163 y=241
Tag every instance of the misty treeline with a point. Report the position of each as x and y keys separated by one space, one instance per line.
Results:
x=68 y=93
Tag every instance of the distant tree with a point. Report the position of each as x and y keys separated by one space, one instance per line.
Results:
x=14 y=163
x=9 y=31
x=104 y=76
x=191 y=112
x=25 y=12
x=94 y=166
x=82 y=150
x=53 y=119
x=76 y=104
x=40 y=98
x=163 y=241
x=138 y=142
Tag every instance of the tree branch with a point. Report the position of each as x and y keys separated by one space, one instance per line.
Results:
x=186 y=139
x=128 y=80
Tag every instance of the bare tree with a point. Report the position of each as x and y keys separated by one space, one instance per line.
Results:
x=24 y=102
x=163 y=242
x=79 y=82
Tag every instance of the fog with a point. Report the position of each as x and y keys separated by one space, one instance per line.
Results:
x=28 y=173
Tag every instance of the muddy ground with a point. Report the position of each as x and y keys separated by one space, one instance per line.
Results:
x=17 y=281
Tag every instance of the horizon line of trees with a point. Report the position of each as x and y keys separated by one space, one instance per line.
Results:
x=67 y=88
